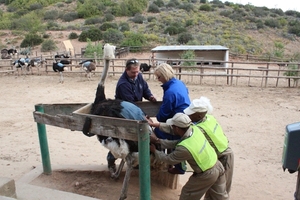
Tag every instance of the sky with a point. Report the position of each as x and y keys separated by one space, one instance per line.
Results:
x=282 y=4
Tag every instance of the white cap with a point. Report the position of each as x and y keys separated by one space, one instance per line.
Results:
x=199 y=105
x=181 y=120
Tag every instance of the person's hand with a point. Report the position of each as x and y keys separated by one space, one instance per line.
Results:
x=152 y=148
x=150 y=121
x=152 y=99
x=153 y=138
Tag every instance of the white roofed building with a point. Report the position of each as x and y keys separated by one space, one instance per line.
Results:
x=209 y=53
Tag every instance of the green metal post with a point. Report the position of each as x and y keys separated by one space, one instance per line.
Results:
x=144 y=162
x=43 y=143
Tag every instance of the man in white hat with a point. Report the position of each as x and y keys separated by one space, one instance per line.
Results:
x=208 y=176
x=199 y=112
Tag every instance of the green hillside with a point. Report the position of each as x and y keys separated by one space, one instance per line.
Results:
x=245 y=29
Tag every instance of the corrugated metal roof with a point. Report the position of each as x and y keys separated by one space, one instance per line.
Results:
x=189 y=47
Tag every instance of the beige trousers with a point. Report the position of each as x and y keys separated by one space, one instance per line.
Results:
x=212 y=182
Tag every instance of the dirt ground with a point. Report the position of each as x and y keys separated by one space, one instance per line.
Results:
x=253 y=118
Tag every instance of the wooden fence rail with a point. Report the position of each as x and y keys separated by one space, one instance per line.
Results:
x=261 y=74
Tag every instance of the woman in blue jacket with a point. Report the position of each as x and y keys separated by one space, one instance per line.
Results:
x=175 y=100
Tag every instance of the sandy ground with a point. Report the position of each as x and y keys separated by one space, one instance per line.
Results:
x=253 y=118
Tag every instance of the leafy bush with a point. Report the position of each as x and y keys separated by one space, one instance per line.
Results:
x=134 y=40
x=273 y=23
x=91 y=49
x=31 y=40
x=171 y=30
x=159 y=3
x=48 y=45
x=105 y=26
x=89 y=9
x=108 y=17
x=46 y=36
x=113 y=36
x=73 y=36
x=93 y=34
x=186 y=6
x=71 y=16
x=93 y=20
x=124 y=26
x=153 y=8
x=52 y=25
x=189 y=55
x=51 y=15
x=184 y=38
x=35 y=6
x=151 y=19
x=138 y=19
x=205 y=7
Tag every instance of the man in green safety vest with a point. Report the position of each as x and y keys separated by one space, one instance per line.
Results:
x=199 y=112
x=208 y=173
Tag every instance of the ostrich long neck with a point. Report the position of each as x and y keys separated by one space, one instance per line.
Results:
x=100 y=93
x=104 y=73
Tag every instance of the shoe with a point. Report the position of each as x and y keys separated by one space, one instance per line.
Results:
x=173 y=170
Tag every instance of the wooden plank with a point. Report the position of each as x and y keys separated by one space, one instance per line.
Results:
x=106 y=126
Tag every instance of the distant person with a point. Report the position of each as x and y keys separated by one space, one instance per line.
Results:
x=192 y=147
x=131 y=87
x=200 y=112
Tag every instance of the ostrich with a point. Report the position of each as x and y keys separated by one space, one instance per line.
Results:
x=88 y=66
x=125 y=149
x=21 y=64
x=59 y=67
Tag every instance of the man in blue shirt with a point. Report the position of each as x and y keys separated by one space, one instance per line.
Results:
x=131 y=86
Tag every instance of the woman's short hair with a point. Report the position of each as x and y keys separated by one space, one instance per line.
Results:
x=165 y=70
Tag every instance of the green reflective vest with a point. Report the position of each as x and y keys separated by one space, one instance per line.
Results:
x=202 y=152
x=214 y=134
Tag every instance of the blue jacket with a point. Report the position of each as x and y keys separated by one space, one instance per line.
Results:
x=132 y=91
x=176 y=99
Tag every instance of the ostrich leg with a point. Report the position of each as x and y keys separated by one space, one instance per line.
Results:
x=129 y=160
x=116 y=174
x=61 y=80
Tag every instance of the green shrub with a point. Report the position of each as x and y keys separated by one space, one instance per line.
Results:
x=93 y=20
x=171 y=30
x=31 y=40
x=91 y=49
x=52 y=25
x=46 y=36
x=153 y=8
x=51 y=15
x=159 y=3
x=151 y=19
x=48 y=45
x=273 y=23
x=108 y=17
x=188 y=55
x=205 y=7
x=107 y=25
x=94 y=34
x=72 y=36
x=134 y=40
x=124 y=26
x=184 y=38
x=113 y=36
x=71 y=16
x=186 y=6
x=138 y=19
x=35 y=6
